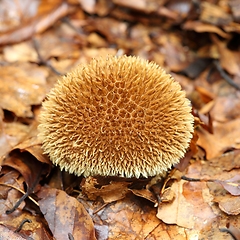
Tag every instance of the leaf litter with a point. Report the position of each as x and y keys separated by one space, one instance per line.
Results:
x=197 y=42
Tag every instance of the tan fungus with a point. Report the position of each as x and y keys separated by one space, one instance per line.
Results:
x=119 y=116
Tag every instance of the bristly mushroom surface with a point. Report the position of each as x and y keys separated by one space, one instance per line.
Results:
x=116 y=116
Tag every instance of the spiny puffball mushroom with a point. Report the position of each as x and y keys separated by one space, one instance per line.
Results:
x=116 y=116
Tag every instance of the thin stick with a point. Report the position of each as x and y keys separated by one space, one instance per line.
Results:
x=42 y=60
x=21 y=191
x=99 y=209
x=225 y=75
x=21 y=224
x=197 y=179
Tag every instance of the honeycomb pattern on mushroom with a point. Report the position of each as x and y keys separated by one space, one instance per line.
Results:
x=116 y=116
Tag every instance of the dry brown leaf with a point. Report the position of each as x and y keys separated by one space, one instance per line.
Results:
x=167 y=196
x=10 y=195
x=144 y=193
x=221 y=167
x=225 y=136
x=96 y=40
x=235 y=6
x=15 y=132
x=190 y=208
x=8 y=177
x=204 y=27
x=22 y=52
x=5 y=145
x=231 y=185
x=174 y=53
x=18 y=87
x=109 y=193
x=226 y=202
x=142 y=5
x=139 y=36
x=56 y=45
x=88 y=5
x=184 y=162
x=36 y=24
x=182 y=7
x=65 y=215
x=129 y=218
x=214 y=14
x=32 y=144
x=170 y=232
x=230 y=205
x=6 y=233
x=12 y=13
x=112 y=29
x=33 y=228
x=229 y=59
x=205 y=94
x=226 y=108
x=28 y=166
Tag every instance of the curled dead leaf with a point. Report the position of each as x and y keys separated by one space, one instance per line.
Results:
x=109 y=193
x=230 y=205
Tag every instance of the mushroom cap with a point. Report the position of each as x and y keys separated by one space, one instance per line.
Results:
x=116 y=116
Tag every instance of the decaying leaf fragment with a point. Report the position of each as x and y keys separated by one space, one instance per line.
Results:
x=231 y=185
x=65 y=215
x=109 y=193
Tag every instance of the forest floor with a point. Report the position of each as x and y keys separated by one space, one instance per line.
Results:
x=198 y=42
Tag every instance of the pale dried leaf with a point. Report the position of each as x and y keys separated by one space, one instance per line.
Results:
x=190 y=208
x=231 y=185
